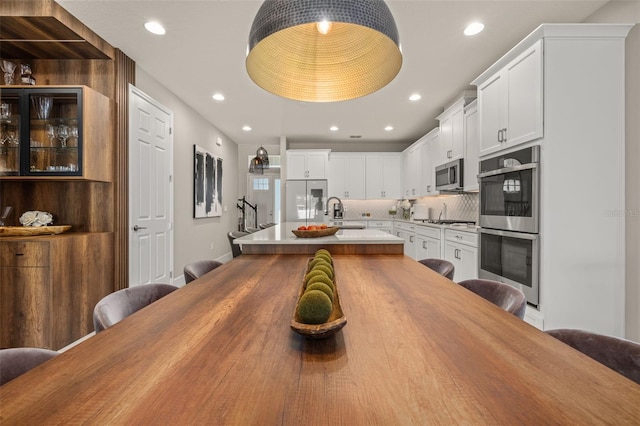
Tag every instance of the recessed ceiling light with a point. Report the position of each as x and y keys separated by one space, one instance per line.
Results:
x=333 y=128
x=246 y=128
x=415 y=97
x=388 y=128
x=155 y=28
x=473 y=29
x=218 y=97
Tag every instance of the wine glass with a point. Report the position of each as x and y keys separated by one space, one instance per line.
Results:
x=74 y=135
x=8 y=68
x=63 y=134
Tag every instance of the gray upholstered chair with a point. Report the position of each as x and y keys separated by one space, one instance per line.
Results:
x=618 y=354
x=118 y=305
x=503 y=295
x=17 y=361
x=197 y=269
x=251 y=230
x=266 y=225
x=441 y=266
x=235 y=248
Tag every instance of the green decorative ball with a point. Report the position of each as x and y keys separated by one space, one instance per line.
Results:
x=323 y=251
x=312 y=274
x=314 y=307
x=322 y=287
x=319 y=261
x=325 y=257
x=324 y=268
x=324 y=279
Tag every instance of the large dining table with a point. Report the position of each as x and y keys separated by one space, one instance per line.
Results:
x=416 y=349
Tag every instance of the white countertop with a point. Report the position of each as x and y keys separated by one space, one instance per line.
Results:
x=281 y=234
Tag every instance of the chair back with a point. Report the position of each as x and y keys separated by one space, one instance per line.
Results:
x=118 y=305
x=17 y=361
x=441 y=266
x=266 y=225
x=503 y=295
x=236 y=250
x=618 y=354
x=197 y=269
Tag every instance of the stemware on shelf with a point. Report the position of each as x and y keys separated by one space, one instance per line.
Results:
x=8 y=68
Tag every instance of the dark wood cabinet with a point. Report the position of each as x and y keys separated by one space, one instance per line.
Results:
x=49 y=286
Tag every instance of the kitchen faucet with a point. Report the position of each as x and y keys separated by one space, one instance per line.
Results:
x=340 y=209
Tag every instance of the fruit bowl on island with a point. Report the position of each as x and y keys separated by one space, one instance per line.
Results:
x=318 y=313
x=314 y=231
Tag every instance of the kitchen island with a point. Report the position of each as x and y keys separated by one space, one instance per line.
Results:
x=279 y=239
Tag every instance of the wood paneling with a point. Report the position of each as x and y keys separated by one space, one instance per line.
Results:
x=417 y=349
x=49 y=286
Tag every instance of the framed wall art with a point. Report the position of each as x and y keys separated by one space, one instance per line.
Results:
x=207 y=183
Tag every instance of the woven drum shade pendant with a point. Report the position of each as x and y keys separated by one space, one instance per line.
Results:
x=323 y=50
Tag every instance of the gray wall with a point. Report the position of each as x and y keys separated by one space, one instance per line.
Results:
x=193 y=238
x=629 y=12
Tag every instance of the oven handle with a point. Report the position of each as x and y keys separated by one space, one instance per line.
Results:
x=519 y=235
x=509 y=170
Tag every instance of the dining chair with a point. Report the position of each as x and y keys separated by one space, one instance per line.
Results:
x=618 y=354
x=251 y=230
x=118 y=305
x=441 y=266
x=17 y=361
x=503 y=295
x=236 y=250
x=266 y=225
x=197 y=269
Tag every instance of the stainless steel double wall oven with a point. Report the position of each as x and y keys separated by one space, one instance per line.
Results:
x=509 y=220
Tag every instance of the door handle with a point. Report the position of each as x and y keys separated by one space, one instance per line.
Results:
x=136 y=227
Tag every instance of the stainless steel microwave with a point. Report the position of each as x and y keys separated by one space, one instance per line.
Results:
x=449 y=176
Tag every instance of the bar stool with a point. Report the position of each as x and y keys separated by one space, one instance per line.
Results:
x=17 y=361
x=508 y=298
x=236 y=250
x=197 y=269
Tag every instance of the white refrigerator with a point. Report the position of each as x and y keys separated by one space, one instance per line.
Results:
x=306 y=200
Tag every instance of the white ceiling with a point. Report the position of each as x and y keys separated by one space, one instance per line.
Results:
x=204 y=51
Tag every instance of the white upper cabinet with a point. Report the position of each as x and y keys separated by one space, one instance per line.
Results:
x=347 y=175
x=451 y=133
x=307 y=163
x=430 y=153
x=411 y=171
x=384 y=175
x=510 y=102
x=471 y=148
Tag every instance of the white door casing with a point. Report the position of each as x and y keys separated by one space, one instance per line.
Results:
x=150 y=190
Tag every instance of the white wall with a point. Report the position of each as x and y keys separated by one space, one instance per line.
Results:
x=193 y=238
x=629 y=12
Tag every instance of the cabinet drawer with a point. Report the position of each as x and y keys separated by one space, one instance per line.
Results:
x=470 y=238
x=379 y=224
x=428 y=231
x=24 y=253
x=404 y=226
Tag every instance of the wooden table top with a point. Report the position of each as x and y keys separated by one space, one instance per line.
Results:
x=417 y=349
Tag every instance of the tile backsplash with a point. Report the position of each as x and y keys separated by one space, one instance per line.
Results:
x=459 y=206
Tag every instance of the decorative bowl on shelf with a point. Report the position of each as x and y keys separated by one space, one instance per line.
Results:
x=27 y=231
x=316 y=232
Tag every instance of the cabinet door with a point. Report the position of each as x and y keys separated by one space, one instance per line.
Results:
x=524 y=92
x=392 y=176
x=317 y=165
x=427 y=248
x=464 y=259
x=471 y=148
x=457 y=137
x=354 y=173
x=336 y=179
x=25 y=307
x=490 y=104
x=10 y=132
x=296 y=165
x=405 y=189
x=375 y=176
x=411 y=172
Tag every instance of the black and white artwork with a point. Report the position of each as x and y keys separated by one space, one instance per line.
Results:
x=207 y=182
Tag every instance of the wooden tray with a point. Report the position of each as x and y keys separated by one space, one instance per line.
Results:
x=336 y=320
x=27 y=231
x=317 y=233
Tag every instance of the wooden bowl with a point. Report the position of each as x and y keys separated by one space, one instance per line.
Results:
x=27 y=231
x=336 y=320
x=316 y=233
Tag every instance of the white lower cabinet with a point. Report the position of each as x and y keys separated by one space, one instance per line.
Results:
x=407 y=232
x=381 y=225
x=428 y=245
x=461 y=249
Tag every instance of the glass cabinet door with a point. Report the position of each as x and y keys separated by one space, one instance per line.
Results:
x=54 y=145
x=9 y=132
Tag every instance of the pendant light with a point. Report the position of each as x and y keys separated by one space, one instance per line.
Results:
x=323 y=50
x=263 y=155
x=255 y=167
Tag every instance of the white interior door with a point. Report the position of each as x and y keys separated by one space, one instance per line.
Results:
x=264 y=191
x=150 y=190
